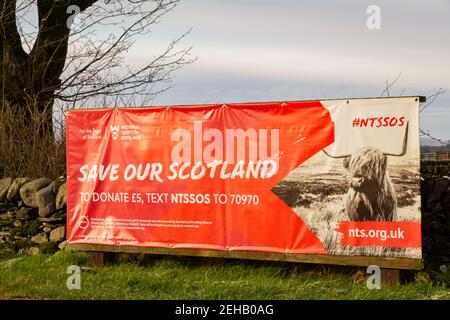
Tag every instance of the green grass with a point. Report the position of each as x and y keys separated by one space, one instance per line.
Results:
x=44 y=277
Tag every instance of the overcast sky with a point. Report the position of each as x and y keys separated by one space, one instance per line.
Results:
x=293 y=50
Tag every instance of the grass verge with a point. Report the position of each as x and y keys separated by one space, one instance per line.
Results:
x=45 y=277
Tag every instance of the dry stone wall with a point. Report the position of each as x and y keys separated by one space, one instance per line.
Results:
x=435 y=190
x=32 y=215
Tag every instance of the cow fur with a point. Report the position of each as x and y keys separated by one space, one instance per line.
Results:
x=371 y=196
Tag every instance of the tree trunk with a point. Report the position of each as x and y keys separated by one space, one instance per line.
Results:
x=28 y=81
x=32 y=110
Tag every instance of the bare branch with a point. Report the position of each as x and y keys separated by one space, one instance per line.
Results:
x=96 y=67
x=429 y=135
x=52 y=53
x=431 y=99
x=389 y=85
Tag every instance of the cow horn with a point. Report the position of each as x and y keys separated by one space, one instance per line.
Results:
x=405 y=142
x=335 y=157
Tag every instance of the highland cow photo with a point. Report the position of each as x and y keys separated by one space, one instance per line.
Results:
x=355 y=180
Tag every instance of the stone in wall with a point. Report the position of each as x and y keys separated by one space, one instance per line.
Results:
x=45 y=200
x=61 y=197
x=28 y=191
x=4 y=187
x=58 y=234
x=40 y=238
x=13 y=192
x=24 y=213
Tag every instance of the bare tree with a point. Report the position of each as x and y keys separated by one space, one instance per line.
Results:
x=423 y=105
x=75 y=53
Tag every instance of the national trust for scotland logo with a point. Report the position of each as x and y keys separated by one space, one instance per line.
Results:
x=114 y=132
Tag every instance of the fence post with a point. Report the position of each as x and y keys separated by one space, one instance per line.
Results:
x=390 y=277
x=99 y=259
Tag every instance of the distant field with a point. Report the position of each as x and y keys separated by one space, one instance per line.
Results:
x=44 y=277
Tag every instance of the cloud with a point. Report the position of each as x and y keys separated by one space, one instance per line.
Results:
x=266 y=50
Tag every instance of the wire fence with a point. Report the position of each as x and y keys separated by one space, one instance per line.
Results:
x=435 y=156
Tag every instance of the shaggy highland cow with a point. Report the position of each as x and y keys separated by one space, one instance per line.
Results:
x=371 y=196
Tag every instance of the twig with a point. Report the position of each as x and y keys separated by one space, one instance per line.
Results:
x=390 y=85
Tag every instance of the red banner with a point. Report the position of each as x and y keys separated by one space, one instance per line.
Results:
x=201 y=177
